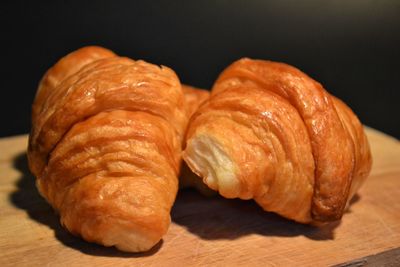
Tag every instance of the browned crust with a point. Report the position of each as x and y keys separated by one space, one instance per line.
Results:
x=341 y=155
x=105 y=145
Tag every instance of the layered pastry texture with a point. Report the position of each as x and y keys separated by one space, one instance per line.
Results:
x=271 y=133
x=194 y=97
x=105 y=146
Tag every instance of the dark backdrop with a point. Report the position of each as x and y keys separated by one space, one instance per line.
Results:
x=351 y=47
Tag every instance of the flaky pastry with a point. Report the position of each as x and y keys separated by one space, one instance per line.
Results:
x=105 y=146
x=271 y=133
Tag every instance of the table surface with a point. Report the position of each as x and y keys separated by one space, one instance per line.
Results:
x=209 y=231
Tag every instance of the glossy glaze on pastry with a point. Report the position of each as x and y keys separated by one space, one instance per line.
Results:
x=271 y=133
x=105 y=146
x=194 y=97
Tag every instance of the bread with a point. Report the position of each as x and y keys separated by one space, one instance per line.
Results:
x=105 y=146
x=194 y=97
x=271 y=133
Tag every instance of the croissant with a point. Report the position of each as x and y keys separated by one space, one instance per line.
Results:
x=270 y=133
x=194 y=97
x=105 y=146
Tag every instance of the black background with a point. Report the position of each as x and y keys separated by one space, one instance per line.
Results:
x=351 y=47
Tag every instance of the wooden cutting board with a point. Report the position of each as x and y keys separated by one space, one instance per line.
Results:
x=206 y=231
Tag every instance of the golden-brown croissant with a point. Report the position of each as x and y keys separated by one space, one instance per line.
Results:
x=271 y=133
x=105 y=146
x=194 y=98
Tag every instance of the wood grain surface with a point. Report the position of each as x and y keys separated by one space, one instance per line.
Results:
x=205 y=231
